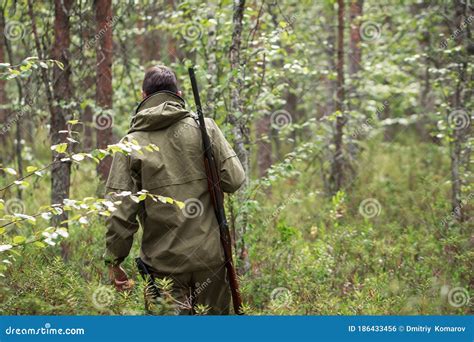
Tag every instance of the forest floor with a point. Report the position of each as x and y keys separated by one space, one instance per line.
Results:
x=309 y=254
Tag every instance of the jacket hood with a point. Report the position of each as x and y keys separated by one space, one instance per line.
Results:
x=158 y=111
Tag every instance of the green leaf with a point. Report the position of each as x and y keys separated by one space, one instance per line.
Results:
x=17 y=240
x=31 y=169
x=39 y=244
x=60 y=148
x=59 y=64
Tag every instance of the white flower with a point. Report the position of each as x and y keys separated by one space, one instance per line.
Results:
x=4 y=248
x=50 y=242
x=63 y=232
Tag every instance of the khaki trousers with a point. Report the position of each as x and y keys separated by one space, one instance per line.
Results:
x=192 y=291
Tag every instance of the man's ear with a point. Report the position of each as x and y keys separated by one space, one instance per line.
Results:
x=179 y=92
x=143 y=95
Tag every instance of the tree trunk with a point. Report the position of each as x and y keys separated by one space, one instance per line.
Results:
x=18 y=133
x=3 y=92
x=337 y=176
x=331 y=84
x=104 y=90
x=355 y=52
x=240 y=132
x=3 y=96
x=458 y=133
x=173 y=54
x=212 y=67
x=61 y=172
x=88 y=83
x=264 y=145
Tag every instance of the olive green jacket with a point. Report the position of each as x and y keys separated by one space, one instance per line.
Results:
x=174 y=240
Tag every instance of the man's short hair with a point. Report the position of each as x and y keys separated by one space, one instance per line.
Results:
x=159 y=78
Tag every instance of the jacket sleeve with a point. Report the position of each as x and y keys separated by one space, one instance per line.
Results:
x=122 y=223
x=231 y=171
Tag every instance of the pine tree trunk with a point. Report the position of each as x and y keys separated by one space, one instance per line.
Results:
x=88 y=83
x=62 y=90
x=104 y=92
x=355 y=51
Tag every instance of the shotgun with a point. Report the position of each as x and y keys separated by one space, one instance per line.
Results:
x=217 y=198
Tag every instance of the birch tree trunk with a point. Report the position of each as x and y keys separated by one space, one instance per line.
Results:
x=18 y=133
x=212 y=67
x=3 y=94
x=337 y=176
x=458 y=113
x=239 y=131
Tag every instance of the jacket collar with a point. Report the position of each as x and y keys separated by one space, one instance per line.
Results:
x=158 y=98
